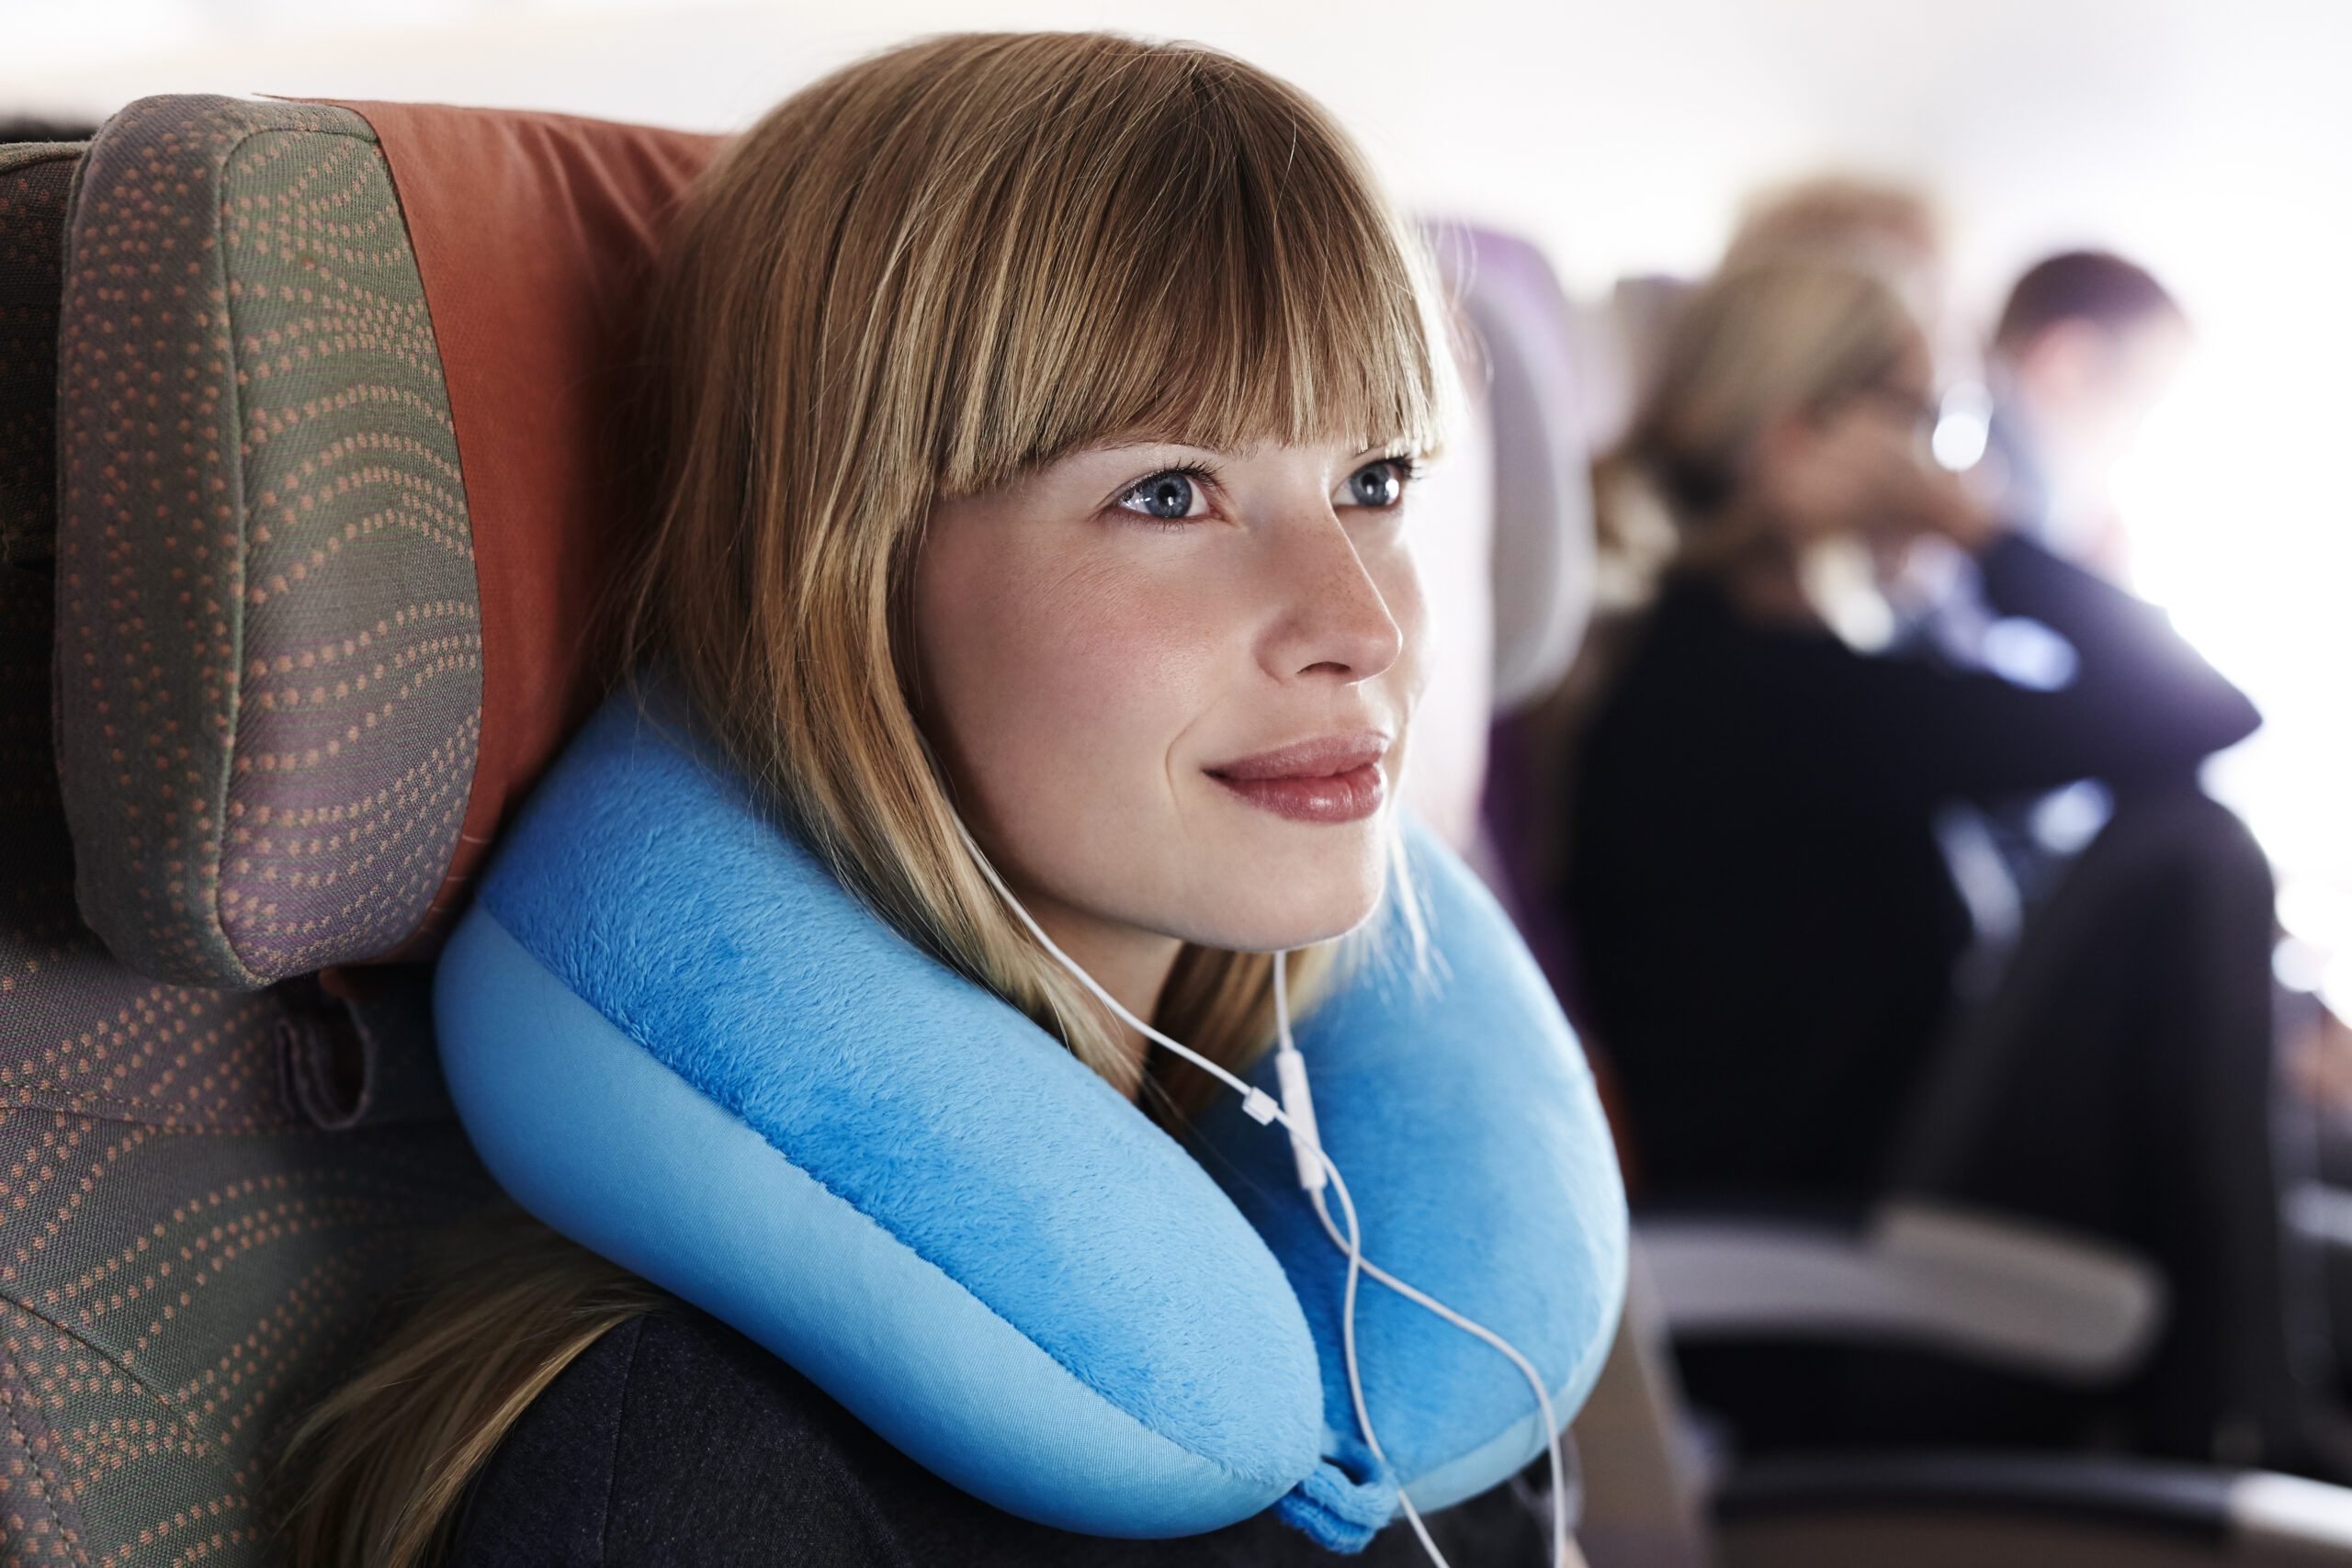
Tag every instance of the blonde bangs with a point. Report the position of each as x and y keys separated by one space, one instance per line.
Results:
x=1183 y=250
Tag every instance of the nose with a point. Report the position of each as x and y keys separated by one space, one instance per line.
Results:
x=1333 y=622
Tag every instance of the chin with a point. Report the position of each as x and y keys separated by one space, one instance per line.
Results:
x=1302 y=893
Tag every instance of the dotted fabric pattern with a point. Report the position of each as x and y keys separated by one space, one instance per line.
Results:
x=34 y=179
x=185 y=1262
x=80 y=1033
x=269 y=642
x=170 y=1303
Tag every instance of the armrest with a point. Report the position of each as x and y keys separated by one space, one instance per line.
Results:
x=2176 y=1513
x=1988 y=1287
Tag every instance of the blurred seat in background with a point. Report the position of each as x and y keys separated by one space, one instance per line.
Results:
x=1503 y=525
x=1957 y=1286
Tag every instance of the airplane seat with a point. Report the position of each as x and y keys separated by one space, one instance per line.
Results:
x=1506 y=579
x=212 y=1188
x=183 y=1255
x=283 y=637
x=1530 y=410
x=1985 y=1287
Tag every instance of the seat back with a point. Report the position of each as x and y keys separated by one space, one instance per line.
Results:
x=1535 y=415
x=268 y=687
x=187 y=1255
x=258 y=596
x=1534 y=405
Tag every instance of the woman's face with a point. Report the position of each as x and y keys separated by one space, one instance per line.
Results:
x=1170 y=686
x=1860 y=467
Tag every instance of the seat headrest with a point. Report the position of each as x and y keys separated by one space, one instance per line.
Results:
x=1542 y=540
x=339 y=504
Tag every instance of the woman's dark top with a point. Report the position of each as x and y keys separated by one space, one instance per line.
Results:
x=674 y=1442
x=1765 y=927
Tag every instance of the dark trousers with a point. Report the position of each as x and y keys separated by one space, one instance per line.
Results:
x=2116 y=1082
x=2119 y=1080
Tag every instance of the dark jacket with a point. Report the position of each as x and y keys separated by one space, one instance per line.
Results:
x=1765 y=927
x=674 y=1442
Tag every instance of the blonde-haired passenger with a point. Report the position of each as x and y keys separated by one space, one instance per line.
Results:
x=1040 y=411
x=1771 y=935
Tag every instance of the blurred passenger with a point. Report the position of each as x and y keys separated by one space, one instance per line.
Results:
x=1891 y=231
x=2086 y=346
x=1767 y=933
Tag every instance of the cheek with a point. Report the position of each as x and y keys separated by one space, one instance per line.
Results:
x=1058 y=690
x=1400 y=588
x=1393 y=571
x=1823 y=487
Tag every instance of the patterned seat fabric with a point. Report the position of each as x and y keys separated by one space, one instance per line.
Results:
x=254 y=595
x=269 y=645
x=187 y=1256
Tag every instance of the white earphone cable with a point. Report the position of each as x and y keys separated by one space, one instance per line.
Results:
x=1298 y=1116
x=1352 y=1245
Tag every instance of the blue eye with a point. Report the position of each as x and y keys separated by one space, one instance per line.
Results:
x=1167 y=495
x=1380 y=484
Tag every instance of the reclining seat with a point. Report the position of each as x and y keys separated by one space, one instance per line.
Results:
x=302 y=653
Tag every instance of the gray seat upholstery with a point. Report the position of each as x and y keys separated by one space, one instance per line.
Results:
x=211 y=1192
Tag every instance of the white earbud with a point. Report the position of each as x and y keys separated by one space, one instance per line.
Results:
x=1290 y=1074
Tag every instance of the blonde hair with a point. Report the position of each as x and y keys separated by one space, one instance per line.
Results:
x=384 y=1460
x=1751 y=347
x=1891 y=230
x=922 y=276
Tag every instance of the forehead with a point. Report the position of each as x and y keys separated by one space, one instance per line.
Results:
x=2158 y=335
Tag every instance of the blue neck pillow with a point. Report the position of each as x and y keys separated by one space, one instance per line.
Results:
x=676 y=1039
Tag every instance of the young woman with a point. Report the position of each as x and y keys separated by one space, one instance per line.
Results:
x=1041 y=414
x=1769 y=932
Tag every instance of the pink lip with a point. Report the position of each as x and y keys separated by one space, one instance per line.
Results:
x=1332 y=778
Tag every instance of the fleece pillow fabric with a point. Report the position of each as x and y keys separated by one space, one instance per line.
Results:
x=1457 y=1106
x=676 y=1039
